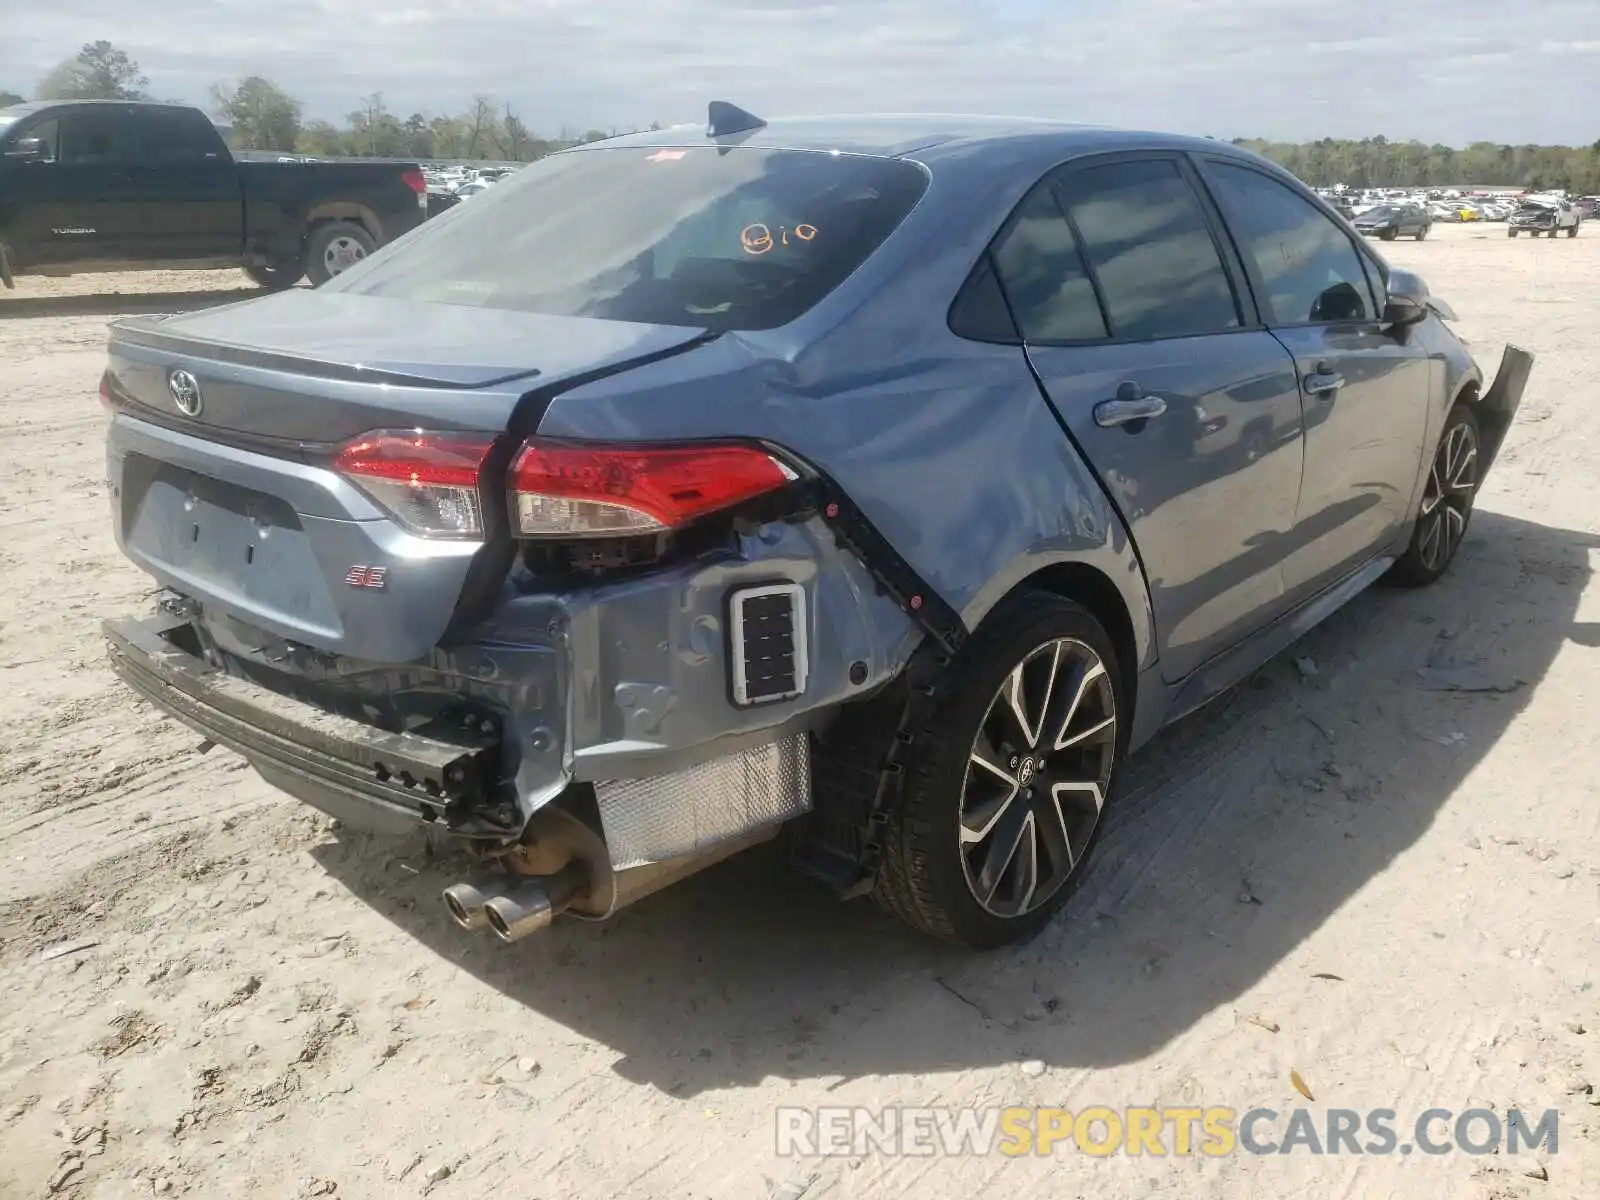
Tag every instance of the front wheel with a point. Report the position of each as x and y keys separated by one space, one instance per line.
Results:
x=1511 y=233
x=1422 y=232
x=1003 y=799
x=1447 y=501
x=1572 y=231
x=334 y=248
x=1390 y=234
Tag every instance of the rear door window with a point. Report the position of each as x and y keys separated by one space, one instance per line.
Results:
x=175 y=136
x=720 y=239
x=98 y=136
x=1306 y=264
x=1147 y=240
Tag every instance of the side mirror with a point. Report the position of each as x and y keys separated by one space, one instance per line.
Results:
x=1408 y=299
x=26 y=149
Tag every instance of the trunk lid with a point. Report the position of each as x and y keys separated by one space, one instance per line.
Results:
x=321 y=367
x=236 y=504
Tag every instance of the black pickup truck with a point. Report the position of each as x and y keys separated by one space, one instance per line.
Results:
x=101 y=185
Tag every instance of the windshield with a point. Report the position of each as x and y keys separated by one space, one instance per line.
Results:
x=1383 y=210
x=738 y=239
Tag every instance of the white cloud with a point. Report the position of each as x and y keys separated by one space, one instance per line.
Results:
x=1440 y=70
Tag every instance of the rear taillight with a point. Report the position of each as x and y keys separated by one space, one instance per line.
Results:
x=428 y=481
x=566 y=490
x=105 y=388
x=418 y=183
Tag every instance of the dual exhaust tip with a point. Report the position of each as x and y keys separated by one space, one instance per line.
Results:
x=529 y=907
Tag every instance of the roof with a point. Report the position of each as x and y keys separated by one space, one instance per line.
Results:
x=32 y=106
x=901 y=134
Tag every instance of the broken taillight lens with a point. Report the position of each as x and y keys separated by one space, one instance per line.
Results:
x=570 y=490
x=428 y=481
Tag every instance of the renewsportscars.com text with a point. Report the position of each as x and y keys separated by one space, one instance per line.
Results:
x=1158 y=1132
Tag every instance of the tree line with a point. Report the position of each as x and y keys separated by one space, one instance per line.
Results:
x=1378 y=162
x=264 y=116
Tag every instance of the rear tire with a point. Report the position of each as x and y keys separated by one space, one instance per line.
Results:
x=1422 y=232
x=1573 y=231
x=1511 y=233
x=334 y=248
x=997 y=820
x=1447 y=499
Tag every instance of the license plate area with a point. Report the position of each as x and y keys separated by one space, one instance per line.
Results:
x=231 y=542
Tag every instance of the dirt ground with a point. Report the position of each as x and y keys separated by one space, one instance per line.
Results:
x=1374 y=865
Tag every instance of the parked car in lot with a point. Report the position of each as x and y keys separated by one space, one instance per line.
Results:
x=91 y=185
x=1548 y=215
x=1391 y=221
x=888 y=483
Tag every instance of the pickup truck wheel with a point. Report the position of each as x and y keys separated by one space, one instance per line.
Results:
x=1422 y=232
x=334 y=248
x=275 y=278
x=1005 y=787
x=1511 y=233
x=1572 y=231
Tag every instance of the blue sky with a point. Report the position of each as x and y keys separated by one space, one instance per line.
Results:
x=1439 y=70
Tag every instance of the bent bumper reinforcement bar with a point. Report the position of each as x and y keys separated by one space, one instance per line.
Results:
x=429 y=777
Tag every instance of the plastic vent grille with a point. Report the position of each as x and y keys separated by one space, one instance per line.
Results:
x=767 y=627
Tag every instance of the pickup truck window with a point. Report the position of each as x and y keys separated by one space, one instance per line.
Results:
x=48 y=133
x=98 y=135
x=173 y=136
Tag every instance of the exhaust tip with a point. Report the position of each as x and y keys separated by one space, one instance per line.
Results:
x=526 y=910
x=497 y=924
x=467 y=906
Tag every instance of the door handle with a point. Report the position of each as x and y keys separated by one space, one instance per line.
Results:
x=1323 y=382
x=1125 y=410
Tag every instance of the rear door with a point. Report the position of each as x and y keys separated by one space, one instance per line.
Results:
x=190 y=206
x=1188 y=412
x=1365 y=390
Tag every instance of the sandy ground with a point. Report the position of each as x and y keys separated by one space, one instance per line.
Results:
x=1339 y=871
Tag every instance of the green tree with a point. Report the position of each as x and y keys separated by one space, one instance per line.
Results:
x=419 y=136
x=263 y=115
x=375 y=131
x=322 y=139
x=9 y=98
x=100 y=71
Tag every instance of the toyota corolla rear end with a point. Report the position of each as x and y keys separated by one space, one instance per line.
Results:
x=598 y=661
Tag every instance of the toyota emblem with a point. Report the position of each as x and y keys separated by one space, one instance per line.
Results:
x=185 y=390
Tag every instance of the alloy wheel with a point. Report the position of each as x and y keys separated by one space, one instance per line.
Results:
x=1037 y=777
x=1447 y=500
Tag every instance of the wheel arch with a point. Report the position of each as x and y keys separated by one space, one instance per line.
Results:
x=1083 y=583
x=345 y=210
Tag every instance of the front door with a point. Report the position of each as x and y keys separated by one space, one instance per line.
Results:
x=1365 y=389
x=78 y=203
x=1190 y=417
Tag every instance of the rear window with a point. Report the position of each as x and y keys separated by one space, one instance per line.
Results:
x=738 y=239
